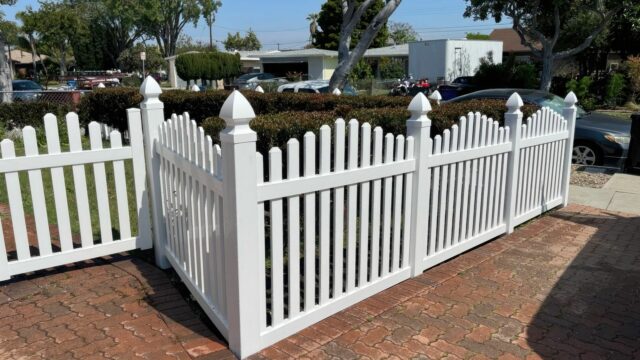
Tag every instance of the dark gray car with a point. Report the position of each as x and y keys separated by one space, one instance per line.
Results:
x=600 y=139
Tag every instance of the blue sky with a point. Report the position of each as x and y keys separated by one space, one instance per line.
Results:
x=284 y=21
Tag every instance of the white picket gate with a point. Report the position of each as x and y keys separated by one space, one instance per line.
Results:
x=44 y=255
x=269 y=250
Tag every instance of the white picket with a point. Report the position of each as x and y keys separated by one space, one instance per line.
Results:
x=459 y=182
x=262 y=270
x=352 y=207
x=452 y=188
x=386 y=212
x=365 y=159
x=444 y=183
x=37 y=194
x=16 y=208
x=435 y=192
x=59 y=186
x=80 y=182
x=406 y=226
x=325 y=213
x=376 y=206
x=397 y=207
x=338 y=210
x=102 y=192
x=277 y=265
x=293 y=217
x=467 y=176
x=309 y=225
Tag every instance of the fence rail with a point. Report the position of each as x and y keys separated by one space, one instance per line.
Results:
x=271 y=243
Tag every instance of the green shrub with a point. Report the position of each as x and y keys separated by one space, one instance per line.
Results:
x=391 y=68
x=208 y=66
x=509 y=74
x=109 y=105
x=20 y=114
x=582 y=89
x=276 y=129
x=614 y=94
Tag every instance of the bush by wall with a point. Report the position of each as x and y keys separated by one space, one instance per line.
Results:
x=208 y=66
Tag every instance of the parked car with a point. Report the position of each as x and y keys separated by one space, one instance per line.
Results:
x=459 y=86
x=26 y=90
x=313 y=87
x=251 y=80
x=600 y=139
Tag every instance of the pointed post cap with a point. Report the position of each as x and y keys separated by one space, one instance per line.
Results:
x=570 y=100
x=436 y=96
x=236 y=110
x=101 y=86
x=259 y=89
x=150 y=88
x=195 y=88
x=419 y=106
x=515 y=102
x=336 y=91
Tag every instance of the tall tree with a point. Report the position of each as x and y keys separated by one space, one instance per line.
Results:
x=313 y=25
x=541 y=25
x=402 y=33
x=237 y=42
x=332 y=15
x=56 y=24
x=352 y=14
x=209 y=10
x=5 y=67
x=164 y=20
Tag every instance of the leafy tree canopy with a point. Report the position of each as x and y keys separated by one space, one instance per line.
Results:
x=237 y=42
x=330 y=18
x=402 y=33
x=477 y=36
x=130 y=61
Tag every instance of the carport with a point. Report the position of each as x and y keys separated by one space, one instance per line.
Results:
x=314 y=64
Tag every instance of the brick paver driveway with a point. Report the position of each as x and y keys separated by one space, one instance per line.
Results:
x=565 y=286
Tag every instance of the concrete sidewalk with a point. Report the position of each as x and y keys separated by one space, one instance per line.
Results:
x=621 y=193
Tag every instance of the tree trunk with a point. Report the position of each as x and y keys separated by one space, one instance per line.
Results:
x=211 y=36
x=33 y=57
x=5 y=78
x=547 y=70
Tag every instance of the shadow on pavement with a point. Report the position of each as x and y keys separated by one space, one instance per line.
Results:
x=593 y=310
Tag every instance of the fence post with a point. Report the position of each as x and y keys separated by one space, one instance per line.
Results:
x=152 y=111
x=569 y=113
x=513 y=119
x=240 y=194
x=419 y=127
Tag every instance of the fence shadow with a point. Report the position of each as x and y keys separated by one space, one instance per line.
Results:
x=594 y=307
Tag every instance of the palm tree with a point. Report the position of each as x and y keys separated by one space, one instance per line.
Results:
x=313 y=26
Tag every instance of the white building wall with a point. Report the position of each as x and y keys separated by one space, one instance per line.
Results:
x=316 y=68
x=444 y=60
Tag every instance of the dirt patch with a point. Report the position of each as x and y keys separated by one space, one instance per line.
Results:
x=589 y=176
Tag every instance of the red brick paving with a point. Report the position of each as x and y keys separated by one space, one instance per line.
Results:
x=564 y=286
x=102 y=309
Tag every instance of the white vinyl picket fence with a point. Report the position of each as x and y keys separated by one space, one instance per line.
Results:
x=340 y=215
x=269 y=244
x=42 y=251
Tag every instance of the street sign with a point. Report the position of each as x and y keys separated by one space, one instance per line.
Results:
x=143 y=55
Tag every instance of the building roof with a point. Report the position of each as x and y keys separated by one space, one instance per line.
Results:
x=18 y=56
x=390 y=51
x=301 y=53
x=254 y=55
x=510 y=40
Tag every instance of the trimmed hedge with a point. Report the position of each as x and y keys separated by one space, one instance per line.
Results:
x=274 y=130
x=109 y=105
x=20 y=114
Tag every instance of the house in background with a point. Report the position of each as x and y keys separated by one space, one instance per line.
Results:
x=399 y=53
x=511 y=45
x=316 y=64
x=22 y=62
x=441 y=61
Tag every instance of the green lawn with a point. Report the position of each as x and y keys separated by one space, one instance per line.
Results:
x=71 y=196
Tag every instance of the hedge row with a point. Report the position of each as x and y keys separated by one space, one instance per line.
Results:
x=109 y=105
x=21 y=114
x=274 y=130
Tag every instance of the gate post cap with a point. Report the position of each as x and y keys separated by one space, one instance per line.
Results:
x=436 y=96
x=419 y=106
x=570 y=100
x=150 y=88
x=237 y=110
x=515 y=102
